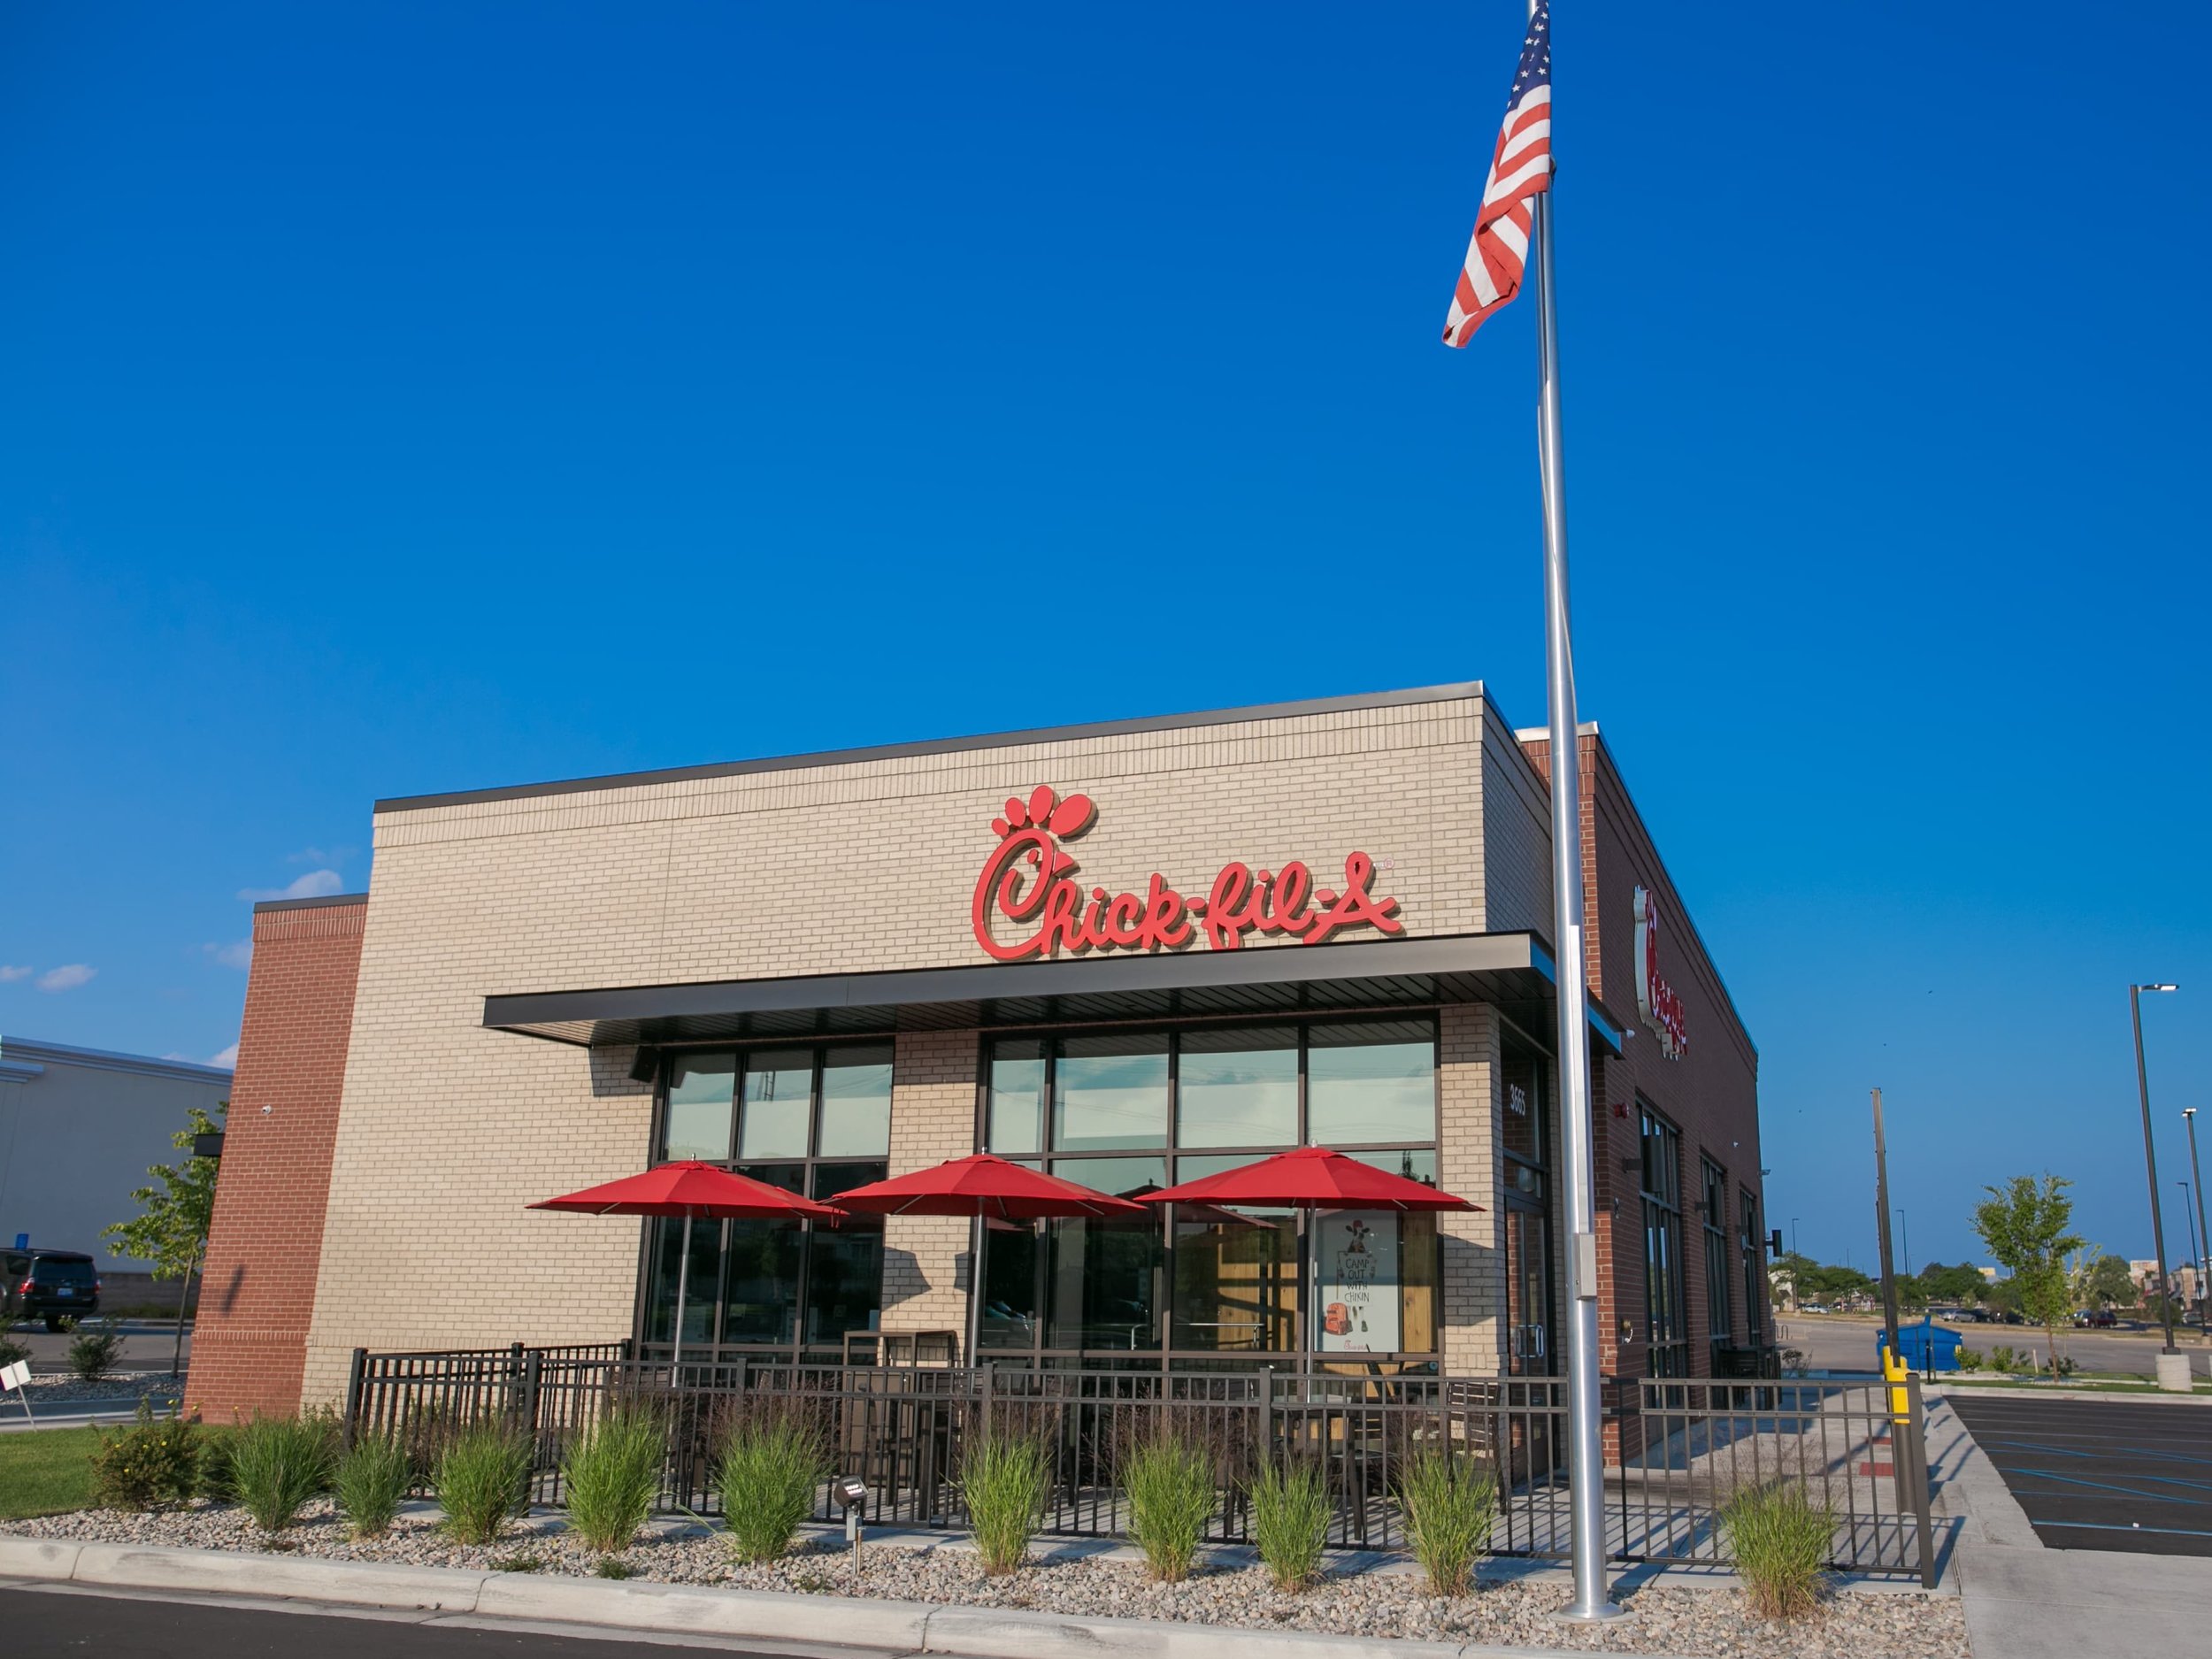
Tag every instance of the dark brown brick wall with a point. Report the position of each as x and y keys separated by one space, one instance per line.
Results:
x=1711 y=1093
x=258 y=1293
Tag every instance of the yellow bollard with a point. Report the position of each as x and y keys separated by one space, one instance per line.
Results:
x=1894 y=1371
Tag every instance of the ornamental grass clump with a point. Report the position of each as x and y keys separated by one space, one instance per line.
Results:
x=1004 y=1479
x=276 y=1465
x=771 y=1466
x=1780 y=1541
x=612 y=1476
x=1170 y=1481
x=371 y=1482
x=483 y=1478
x=1450 y=1500
x=1290 y=1520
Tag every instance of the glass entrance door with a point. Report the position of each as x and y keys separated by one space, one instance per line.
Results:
x=1528 y=1294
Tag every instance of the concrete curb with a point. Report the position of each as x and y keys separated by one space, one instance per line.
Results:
x=902 y=1627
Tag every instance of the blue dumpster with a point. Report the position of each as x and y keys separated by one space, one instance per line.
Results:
x=1919 y=1341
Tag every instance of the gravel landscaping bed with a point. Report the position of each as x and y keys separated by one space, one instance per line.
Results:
x=1694 y=1623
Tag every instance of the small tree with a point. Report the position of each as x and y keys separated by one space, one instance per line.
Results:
x=2107 y=1283
x=170 y=1229
x=2026 y=1223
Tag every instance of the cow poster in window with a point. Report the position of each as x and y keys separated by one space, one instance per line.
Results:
x=1358 y=1293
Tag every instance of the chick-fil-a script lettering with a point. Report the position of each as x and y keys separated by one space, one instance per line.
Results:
x=1029 y=885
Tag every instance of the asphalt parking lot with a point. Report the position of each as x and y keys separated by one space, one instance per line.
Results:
x=2099 y=1474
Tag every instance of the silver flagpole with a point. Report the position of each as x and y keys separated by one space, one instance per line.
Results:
x=1586 y=1450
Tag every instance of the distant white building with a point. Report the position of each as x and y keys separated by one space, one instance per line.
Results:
x=79 y=1129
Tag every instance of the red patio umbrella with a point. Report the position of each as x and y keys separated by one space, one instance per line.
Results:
x=695 y=1191
x=1311 y=1177
x=982 y=1185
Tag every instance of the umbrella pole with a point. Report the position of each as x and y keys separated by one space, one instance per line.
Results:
x=683 y=1284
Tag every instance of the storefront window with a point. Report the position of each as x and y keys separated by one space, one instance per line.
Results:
x=1668 y=1338
x=1238 y=1088
x=1105 y=1276
x=1216 y=1280
x=808 y=1120
x=1715 y=1231
x=1524 y=1120
x=1371 y=1084
x=699 y=1097
x=1752 y=1249
x=774 y=1104
x=1014 y=1123
x=1110 y=1092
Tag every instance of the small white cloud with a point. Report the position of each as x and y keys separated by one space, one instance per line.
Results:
x=9 y=975
x=239 y=954
x=315 y=884
x=227 y=1057
x=66 y=978
x=319 y=855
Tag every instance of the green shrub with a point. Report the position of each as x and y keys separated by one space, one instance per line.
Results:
x=1170 y=1481
x=2002 y=1359
x=483 y=1477
x=372 y=1482
x=613 y=1475
x=94 y=1349
x=12 y=1352
x=1449 y=1501
x=277 y=1463
x=610 y=1567
x=769 y=1469
x=1780 y=1541
x=1003 y=1480
x=1290 y=1520
x=1969 y=1360
x=156 y=1460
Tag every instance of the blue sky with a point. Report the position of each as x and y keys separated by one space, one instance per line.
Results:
x=398 y=399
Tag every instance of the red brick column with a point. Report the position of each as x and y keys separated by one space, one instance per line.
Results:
x=258 y=1290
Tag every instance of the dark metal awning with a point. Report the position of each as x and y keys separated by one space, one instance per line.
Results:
x=1513 y=970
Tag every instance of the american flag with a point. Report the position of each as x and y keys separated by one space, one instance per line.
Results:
x=1520 y=167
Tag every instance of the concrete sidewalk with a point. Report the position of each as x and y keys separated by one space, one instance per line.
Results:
x=2025 y=1601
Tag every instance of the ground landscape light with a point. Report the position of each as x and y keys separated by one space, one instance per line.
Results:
x=851 y=1489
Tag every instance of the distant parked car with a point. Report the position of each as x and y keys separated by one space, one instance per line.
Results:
x=48 y=1285
x=2102 y=1319
x=1974 y=1315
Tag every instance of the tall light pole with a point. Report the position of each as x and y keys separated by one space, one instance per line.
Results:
x=2204 y=1237
x=2150 y=1155
x=1794 y=1235
x=2196 y=1260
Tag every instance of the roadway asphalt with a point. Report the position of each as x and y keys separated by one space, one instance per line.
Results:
x=43 y=1622
x=2096 y=1474
x=1845 y=1342
x=147 y=1344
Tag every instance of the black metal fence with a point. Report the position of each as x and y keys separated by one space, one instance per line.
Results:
x=1680 y=1449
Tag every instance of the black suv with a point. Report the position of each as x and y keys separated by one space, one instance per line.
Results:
x=48 y=1285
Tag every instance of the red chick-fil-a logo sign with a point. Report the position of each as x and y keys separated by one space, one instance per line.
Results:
x=1655 y=1001
x=1028 y=886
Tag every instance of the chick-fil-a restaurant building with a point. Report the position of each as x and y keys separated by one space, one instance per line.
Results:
x=1128 y=954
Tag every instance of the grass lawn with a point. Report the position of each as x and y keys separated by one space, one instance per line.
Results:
x=45 y=1471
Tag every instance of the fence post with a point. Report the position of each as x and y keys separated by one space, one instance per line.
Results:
x=1916 y=1438
x=983 y=1397
x=1263 y=1434
x=355 y=1375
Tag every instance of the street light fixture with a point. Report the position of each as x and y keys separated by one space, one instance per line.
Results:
x=2150 y=1156
x=2204 y=1235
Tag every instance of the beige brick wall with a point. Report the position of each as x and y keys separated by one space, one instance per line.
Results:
x=1468 y=1163
x=447 y=1130
x=933 y=1118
